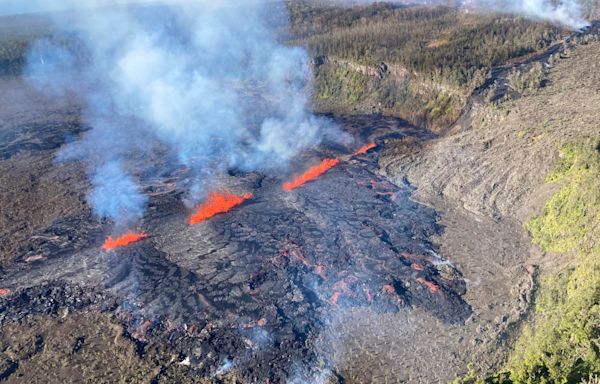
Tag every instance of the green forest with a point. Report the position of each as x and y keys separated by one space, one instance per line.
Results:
x=419 y=63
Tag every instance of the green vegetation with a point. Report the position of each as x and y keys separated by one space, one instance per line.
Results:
x=563 y=344
x=419 y=63
x=440 y=106
x=16 y=35
x=591 y=9
x=527 y=81
x=571 y=217
x=437 y=41
x=12 y=56
x=349 y=85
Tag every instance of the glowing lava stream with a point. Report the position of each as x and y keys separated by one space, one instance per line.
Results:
x=363 y=150
x=217 y=203
x=311 y=174
x=123 y=240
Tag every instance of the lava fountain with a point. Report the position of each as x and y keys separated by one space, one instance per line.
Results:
x=363 y=150
x=311 y=174
x=215 y=204
x=123 y=240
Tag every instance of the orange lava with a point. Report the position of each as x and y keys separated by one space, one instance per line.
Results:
x=363 y=150
x=320 y=270
x=336 y=296
x=433 y=288
x=417 y=266
x=368 y=293
x=311 y=174
x=33 y=258
x=121 y=241
x=191 y=329
x=415 y=257
x=140 y=332
x=340 y=288
x=215 y=204
x=389 y=289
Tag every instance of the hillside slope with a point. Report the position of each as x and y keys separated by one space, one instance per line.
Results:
x=497 y=166
x=418 y=63
x=534 y=155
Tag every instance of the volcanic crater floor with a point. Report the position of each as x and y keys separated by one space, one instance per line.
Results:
x=290 y=285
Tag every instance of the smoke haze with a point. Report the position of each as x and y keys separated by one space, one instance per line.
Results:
x=180 y=74
x=565 y=12
x=185 y=76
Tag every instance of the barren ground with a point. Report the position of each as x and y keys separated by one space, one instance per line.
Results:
x=200 y=293
x=252 y=295
x=488 y=178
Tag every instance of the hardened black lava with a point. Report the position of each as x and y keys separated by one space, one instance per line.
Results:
x=249 y=290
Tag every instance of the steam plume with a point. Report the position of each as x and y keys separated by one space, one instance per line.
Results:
x=181 y=77
x=565 y=12
x=115 y=194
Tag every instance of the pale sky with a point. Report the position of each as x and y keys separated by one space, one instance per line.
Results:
x=11 y=7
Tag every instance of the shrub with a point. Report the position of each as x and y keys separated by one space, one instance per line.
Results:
x=527 y=81
x=563 y=344
x=427 y=40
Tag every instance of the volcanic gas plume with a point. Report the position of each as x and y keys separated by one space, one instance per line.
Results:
x=177 y=73
x=217 y=203
x=311 y=174
x=123 y=240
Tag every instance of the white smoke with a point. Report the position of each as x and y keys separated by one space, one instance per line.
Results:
x=565 y=12
x=184 y=75
x=180 y=74
x=13 y=7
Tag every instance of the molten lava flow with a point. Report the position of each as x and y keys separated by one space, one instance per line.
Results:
x=335 y=297
x=391 y=291
x=33 y=258
x=368 y=293
x=140 y=332
x=217 y=203
x=320 y=270
x=417 y=267
x=341 y=288
x=433 y=288
x=311 y=174
x=121 y=241
x=363 y=150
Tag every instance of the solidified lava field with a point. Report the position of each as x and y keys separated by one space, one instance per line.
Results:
x=248 y=290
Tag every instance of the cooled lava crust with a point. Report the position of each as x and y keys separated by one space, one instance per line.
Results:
x=254 y=286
